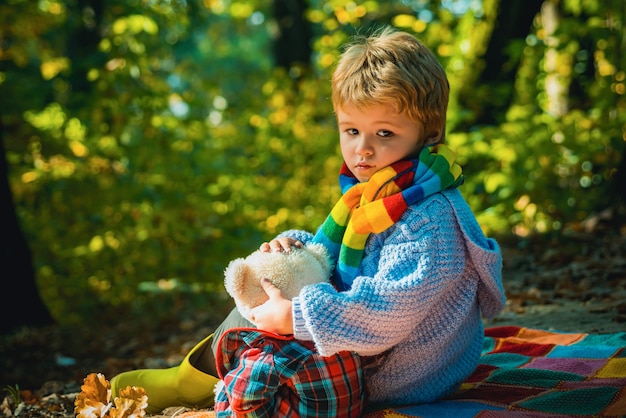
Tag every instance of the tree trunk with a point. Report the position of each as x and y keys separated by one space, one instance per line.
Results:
x=292 y=46
x=513 y=24
x=556 y=85
x=619 y=186
x=22 y=305
x=82 y=49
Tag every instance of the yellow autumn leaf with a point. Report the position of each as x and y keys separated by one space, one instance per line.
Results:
x=93 y=400
x=131 y=403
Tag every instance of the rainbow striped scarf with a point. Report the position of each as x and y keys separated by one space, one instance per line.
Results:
x=375 y=205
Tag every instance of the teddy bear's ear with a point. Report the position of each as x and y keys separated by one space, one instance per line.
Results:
x=320 y=252
x=233 y=277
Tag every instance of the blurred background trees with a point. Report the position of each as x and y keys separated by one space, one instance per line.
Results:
x=149 y=142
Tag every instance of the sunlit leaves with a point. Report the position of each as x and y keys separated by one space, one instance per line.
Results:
x=51 y=118
x=350 y=13
x=52 y=7
x=134 y=24
x=409 y=22
x=51 y=67
x=241 y=10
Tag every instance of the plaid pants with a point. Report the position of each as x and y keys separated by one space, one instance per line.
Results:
x=269 y=375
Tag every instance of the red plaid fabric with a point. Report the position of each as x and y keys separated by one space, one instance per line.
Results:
x=269 y=375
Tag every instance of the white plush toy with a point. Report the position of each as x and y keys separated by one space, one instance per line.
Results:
x=289 y=271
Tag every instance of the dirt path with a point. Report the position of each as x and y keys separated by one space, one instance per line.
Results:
x=574 y=284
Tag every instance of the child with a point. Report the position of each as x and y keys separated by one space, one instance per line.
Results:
x=414 y=271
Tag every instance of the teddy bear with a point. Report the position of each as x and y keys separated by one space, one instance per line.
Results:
x=266 y=374
x=289 y=271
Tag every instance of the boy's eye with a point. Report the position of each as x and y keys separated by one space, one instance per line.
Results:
x=352 y=131
x=384 y=133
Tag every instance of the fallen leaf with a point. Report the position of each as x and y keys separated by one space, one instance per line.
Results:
x=131 y=403
x=93 y=400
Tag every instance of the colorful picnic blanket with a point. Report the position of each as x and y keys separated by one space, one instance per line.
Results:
x=533 y=373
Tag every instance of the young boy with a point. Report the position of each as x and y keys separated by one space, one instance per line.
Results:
x=414 y=270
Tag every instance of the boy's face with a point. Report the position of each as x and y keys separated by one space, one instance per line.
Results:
x=377 y=136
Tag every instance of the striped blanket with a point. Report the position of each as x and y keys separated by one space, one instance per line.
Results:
x=533 y=373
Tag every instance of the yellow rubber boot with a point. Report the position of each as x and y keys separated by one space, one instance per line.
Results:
x=188 y=384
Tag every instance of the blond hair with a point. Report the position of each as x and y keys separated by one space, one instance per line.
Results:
x=393 y=67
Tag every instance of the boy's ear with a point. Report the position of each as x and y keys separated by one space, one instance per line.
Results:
x=434 y=137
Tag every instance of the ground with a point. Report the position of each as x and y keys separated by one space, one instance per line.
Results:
x=576 y=283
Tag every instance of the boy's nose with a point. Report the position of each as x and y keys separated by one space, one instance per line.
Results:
x=363 y=147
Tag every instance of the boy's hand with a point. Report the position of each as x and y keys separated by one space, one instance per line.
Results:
x=280 y=244
x=275 y=314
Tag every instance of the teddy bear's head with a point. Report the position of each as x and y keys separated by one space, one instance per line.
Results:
x=289 y=271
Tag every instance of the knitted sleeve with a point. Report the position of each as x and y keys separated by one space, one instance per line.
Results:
x=302 y=236
x=405 y=271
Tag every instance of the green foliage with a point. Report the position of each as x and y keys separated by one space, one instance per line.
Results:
x=553 y=160
x=142 y=164
x=14 y=394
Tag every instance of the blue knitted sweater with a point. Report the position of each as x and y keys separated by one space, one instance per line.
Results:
x=415 y=304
